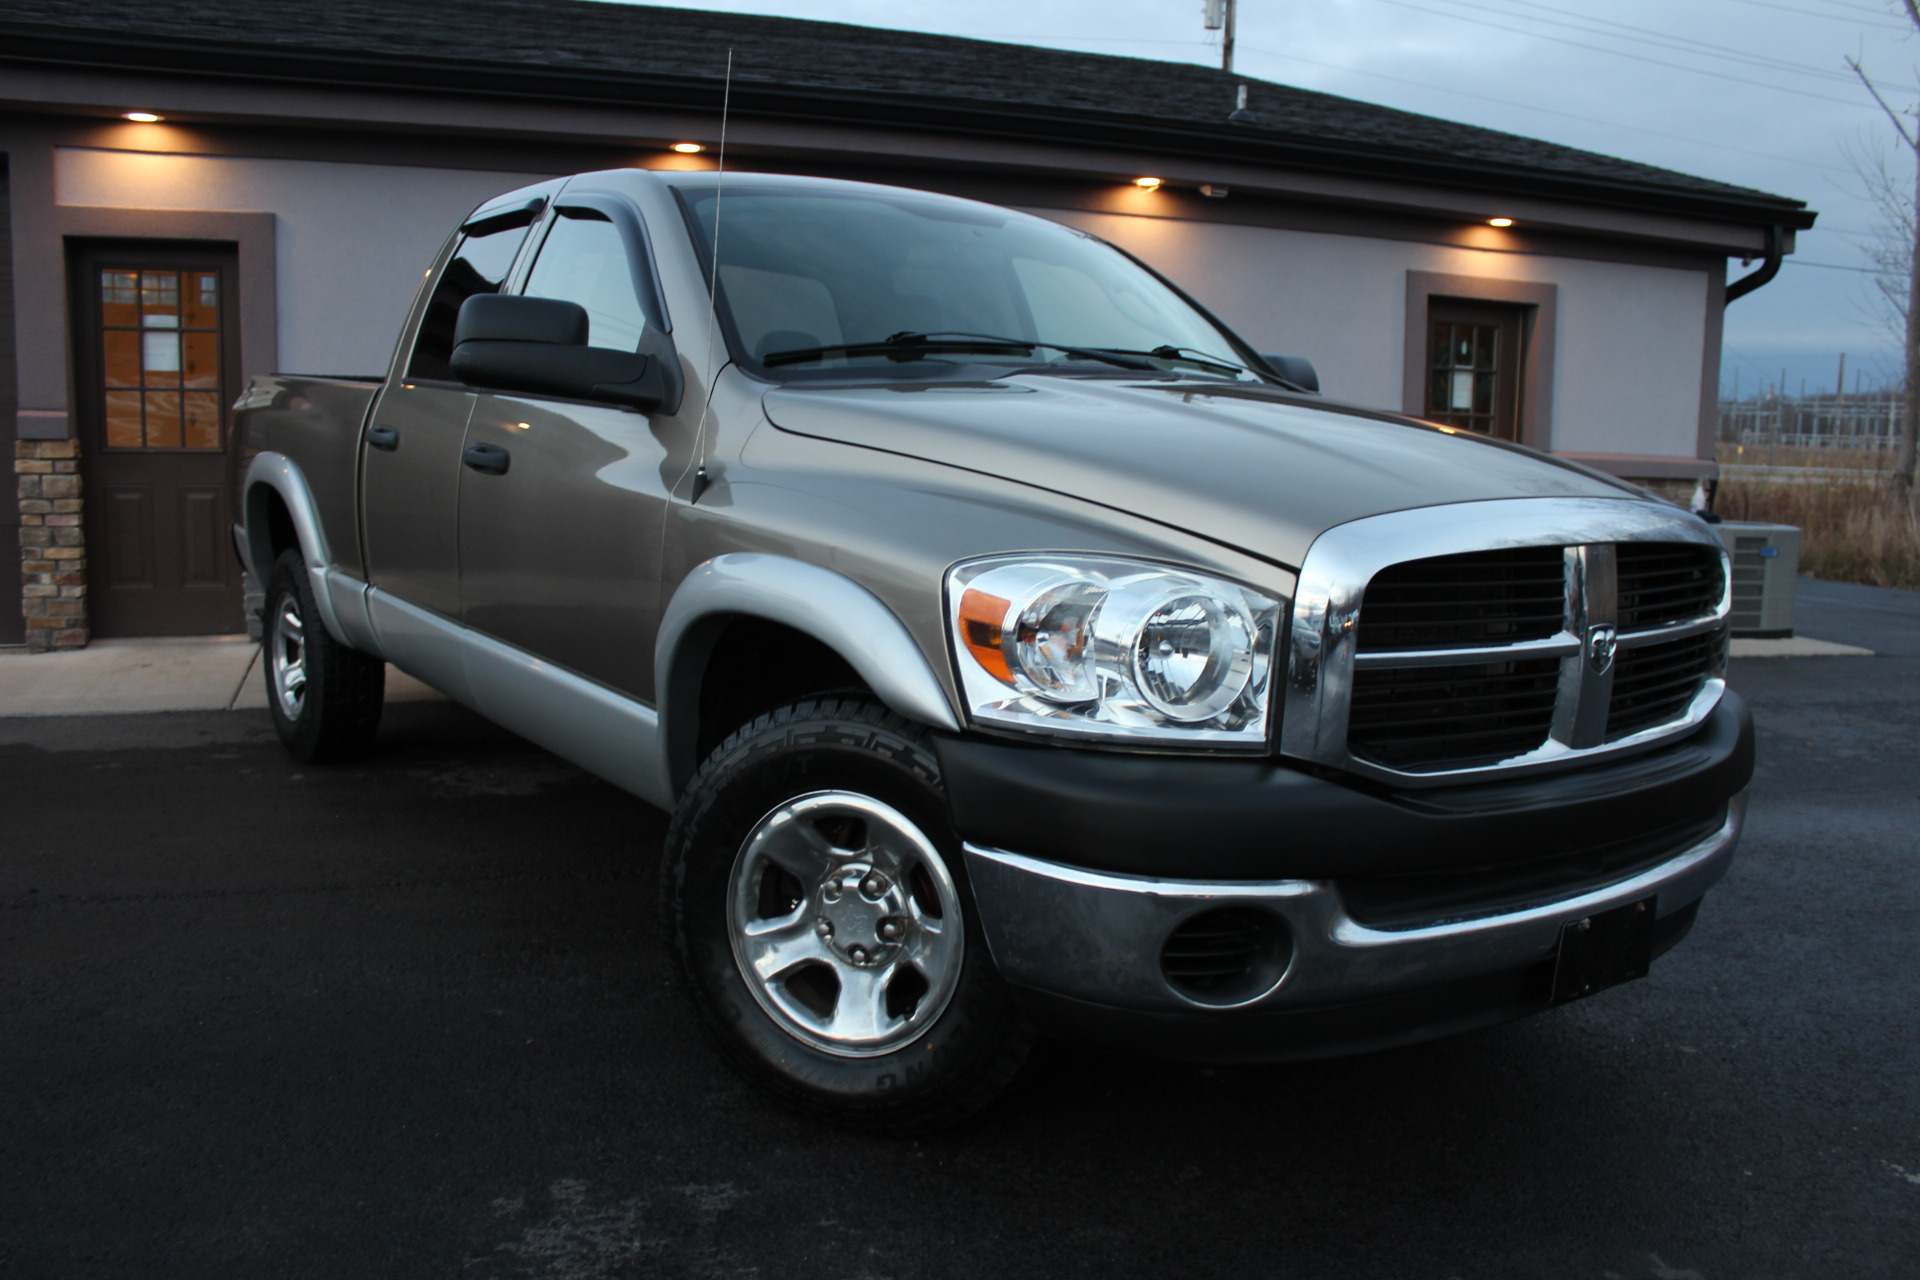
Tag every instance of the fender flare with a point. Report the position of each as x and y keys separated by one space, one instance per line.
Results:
x=283 y=476
x=829 y=606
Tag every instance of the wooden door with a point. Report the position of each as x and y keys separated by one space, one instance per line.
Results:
x=155 y=339
x=1474 y=359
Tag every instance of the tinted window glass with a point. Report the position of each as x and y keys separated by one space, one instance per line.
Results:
x=585 y=261
x=803 y=268
x=479 y=265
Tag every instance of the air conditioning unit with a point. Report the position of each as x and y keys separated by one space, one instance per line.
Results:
x=1766 y=564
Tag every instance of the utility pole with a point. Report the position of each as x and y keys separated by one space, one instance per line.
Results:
x=1219 y=17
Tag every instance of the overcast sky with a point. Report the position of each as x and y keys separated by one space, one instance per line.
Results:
x=1753 y=92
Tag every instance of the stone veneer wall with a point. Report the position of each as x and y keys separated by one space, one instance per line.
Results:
x=53 y=545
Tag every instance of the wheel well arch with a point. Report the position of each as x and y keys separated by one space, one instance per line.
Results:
x=270 y=529
x=731 y=667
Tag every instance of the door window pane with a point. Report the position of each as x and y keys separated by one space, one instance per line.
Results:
x=121 y=348
x=479 y=265
x=585 y=261
x=163 y=419
x=123 y=420
x=202 y=420
x=202 y=366
x=158 y=330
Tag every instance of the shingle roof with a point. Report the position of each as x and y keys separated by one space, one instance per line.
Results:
x=587 y=49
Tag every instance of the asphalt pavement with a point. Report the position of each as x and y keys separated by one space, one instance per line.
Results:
x=411 y=1017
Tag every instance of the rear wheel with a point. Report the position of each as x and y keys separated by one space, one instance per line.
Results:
x=818 y=902
x=325 y=697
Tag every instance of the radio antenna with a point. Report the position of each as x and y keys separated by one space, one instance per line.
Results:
x=700 y=480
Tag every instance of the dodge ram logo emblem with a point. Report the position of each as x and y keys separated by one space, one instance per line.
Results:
x=1600 y=648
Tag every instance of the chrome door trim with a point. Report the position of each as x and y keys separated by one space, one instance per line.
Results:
x=1320 y=655
x=603 y=731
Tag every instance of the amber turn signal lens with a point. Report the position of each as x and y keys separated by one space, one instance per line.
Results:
x=982 y=618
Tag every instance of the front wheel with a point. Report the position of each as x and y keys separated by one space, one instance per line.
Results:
x=817 y=899
x=325 y=698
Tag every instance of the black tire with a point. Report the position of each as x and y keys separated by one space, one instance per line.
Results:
x=325 y=698
x=970 y=1042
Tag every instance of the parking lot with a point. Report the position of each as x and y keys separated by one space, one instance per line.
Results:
x=411 y=1017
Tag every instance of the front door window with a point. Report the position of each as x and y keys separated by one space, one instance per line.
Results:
x=160 y=358
x=1473 y=367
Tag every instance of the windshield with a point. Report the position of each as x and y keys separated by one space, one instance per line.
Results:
x=822 y=279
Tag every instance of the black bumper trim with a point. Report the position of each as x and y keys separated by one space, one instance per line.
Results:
x=1220 y=818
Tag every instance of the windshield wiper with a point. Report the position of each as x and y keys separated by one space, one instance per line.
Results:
x=908 y=345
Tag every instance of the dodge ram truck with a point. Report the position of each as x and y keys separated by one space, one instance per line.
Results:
x=1016 y=649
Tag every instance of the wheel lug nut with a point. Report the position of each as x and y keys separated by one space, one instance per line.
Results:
x=830 y=891
x=874 y=885
x=890 y=930
x=824 y=928
x=857 y=954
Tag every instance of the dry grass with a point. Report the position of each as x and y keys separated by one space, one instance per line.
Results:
x=1767 y=455
x=1852 y=530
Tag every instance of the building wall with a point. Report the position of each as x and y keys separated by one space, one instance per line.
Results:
x=1627 y=348
x=12 y=623
x=351 y=241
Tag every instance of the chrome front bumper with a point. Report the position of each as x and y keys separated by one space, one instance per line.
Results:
x=1096 y=937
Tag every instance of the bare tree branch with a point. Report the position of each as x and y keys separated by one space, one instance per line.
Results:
x=1892 y=115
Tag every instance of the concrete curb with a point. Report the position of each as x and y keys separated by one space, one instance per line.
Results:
x=1797 y=647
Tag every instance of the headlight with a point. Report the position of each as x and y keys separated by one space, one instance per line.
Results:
x=1115 y=649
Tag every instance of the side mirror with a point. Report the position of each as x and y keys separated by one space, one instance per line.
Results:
x=1295 y=369
x=540 y=345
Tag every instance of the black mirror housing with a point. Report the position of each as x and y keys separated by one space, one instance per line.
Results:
x=539 y=345
x=1295 y=369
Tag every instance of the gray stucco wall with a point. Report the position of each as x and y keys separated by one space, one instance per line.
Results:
x=1627 y=358
x=12 y=625
x=351 y=241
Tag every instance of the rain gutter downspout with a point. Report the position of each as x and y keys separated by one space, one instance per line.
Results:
x=1769 y=266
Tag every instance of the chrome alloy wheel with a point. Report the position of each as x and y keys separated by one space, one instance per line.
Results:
x=287 y=657
x=845 y=923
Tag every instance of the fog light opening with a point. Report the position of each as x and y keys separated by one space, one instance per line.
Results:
x=1228 y=956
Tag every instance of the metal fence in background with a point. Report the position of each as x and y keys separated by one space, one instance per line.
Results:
x=1816 y=422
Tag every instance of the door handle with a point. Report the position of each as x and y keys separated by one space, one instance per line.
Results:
x=488 y=458
x=385 y=438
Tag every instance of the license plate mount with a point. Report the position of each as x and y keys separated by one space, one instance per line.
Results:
x=1603 y=950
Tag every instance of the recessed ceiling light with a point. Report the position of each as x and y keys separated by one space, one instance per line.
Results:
x=688 y=148
x=143 y=117
x=1499 y=222
x=1148 y=183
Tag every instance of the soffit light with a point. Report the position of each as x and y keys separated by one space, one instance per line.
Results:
x=1148 y=183
x=142 y=117
x=1499 y=222
x=688 y=148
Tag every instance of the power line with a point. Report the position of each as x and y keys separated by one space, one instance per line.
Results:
x=1621 y=53
x=1832 y=17
x=1678 y=44
x=1548 y=111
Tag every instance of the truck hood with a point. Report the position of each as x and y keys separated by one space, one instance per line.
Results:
x=1258 y=470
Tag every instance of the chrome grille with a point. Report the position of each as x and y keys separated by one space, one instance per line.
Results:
x=1534 y=633
x=1653 y=684
x=1483 y=597
x=1454 y=717
x=1662 y=583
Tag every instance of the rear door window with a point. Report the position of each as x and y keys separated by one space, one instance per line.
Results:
x=479 y=265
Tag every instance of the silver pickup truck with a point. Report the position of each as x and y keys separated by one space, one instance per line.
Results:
x=1017 y=650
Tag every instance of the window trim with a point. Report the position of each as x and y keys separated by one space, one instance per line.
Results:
x=1538 y=323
